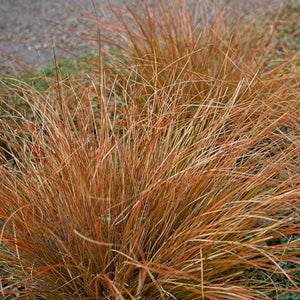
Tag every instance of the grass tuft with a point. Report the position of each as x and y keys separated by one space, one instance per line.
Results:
x=170 y=171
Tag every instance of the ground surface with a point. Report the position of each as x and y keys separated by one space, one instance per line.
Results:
x=25 y=29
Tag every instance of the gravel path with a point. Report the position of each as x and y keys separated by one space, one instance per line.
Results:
x=25 y=34
x=24 y=29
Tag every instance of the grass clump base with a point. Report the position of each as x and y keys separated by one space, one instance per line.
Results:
x=169 y=171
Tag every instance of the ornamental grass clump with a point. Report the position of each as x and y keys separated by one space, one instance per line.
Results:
x=170 y=171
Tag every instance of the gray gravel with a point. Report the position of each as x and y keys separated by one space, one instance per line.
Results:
x=25 y=30
x=25 y=34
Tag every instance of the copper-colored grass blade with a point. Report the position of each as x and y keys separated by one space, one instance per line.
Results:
x=169 y=171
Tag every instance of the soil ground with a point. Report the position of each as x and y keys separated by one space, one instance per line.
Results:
x=25 y=33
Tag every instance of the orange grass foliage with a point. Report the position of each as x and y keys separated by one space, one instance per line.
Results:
x=168 y=174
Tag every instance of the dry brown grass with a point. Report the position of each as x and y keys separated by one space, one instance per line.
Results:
x=172 y=174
